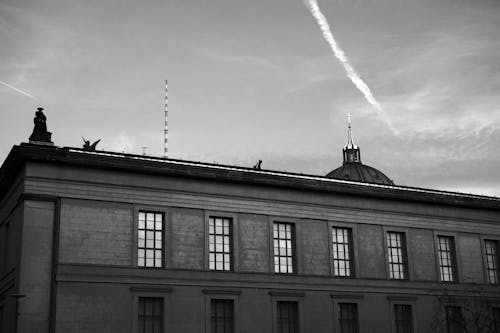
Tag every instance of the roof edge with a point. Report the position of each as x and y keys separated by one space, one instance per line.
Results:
x=132 y=162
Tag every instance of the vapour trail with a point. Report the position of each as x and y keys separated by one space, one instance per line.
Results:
x=17 y=89
x=340 y=55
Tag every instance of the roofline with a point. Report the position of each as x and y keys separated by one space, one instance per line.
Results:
x=53 y=154
x=276 y=172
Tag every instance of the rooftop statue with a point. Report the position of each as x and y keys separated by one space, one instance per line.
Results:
x=88 y=146
x=40 y=134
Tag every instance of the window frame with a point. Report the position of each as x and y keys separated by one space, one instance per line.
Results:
x=5 y=235
x=150 y=292
x=407 y=255
x=456 y=264
x=2 y=313
x=495 y=269
x=492 y=313
x=230 y=245
x=338 y=298
x=294 y=240
x=445 y=313
x=483 y=239
x=287 y=296
x=404 y=255
x=394 y=300
x=354 y=247
x=223 y=294
x=166 y=251
x=234 y=255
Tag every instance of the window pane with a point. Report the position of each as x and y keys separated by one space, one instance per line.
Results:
x=403 y=318
x=491 y=252
x=446 y=254
x=220 y=243
x=287 y=317
x=150 y=224
x=222 y=315
x=149 y=243
x=454 y=319
x=150 y=315
x=496 y=319
x=348 y=317
x=396 y=249
x=283 y=248
x=342 y=252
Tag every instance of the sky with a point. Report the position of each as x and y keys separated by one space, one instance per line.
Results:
x=252 y=80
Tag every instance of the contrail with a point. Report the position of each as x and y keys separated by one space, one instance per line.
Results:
x=340 y=54
x=18 y=90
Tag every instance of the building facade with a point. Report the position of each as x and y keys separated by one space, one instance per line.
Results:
x=95 y=241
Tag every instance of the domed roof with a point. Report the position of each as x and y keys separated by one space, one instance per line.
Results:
x=353 y=169
x=360 y=172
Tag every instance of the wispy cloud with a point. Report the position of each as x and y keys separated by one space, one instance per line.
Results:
x=236 y=58
x=17 y=90
x=308 y=83
x=123 y=142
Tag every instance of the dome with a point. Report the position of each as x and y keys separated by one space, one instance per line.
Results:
x=353 y=169
x=360 y=172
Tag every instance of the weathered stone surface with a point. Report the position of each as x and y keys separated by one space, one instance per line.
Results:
x=254 y=243
x=423 y=255
x=371 y=252
x=95 y=232
x=187 y=243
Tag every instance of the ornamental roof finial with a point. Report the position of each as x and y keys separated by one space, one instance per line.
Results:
x=350 y=143
x=351 y=151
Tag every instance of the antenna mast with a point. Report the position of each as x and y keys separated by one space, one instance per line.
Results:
x=165 y=150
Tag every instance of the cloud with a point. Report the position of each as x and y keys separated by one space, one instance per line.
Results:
x=123 y=142
x=311 y=81
x=236 y=58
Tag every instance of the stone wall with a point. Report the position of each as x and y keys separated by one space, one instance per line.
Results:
x=96 y=232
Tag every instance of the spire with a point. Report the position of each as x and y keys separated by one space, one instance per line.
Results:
x=351 y=151
x=350 y=143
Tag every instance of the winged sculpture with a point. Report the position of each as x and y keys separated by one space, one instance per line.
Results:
x=88 y=146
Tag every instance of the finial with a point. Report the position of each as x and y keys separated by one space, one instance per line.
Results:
x=349 y=131
x=351 y=151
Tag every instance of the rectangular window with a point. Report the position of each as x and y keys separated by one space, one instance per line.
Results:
x=496 y=319
x=222 y=315
x=396 y=248
x=348 y=318
x=342 y=252
x=403 y=318
x=5 y=255
x=284 y=235
x=220 y=236
x=150 y=313
x=150 y=240
x=288 y=316
x=447 y=263
x=454 y=319
x=491 y=252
